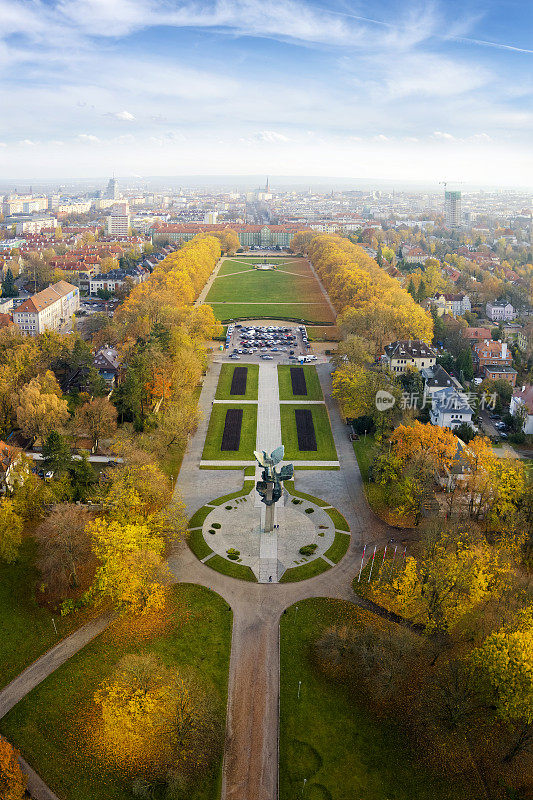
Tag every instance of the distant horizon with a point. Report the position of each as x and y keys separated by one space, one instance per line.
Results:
x=251 y=181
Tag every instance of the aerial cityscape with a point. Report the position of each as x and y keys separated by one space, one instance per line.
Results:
x=266 y=401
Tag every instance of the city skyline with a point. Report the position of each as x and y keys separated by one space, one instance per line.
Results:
x=423 y=92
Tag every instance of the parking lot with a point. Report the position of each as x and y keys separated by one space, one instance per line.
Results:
x=267 y=342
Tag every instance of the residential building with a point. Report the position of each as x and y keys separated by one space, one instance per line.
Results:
x=454 y=304
x=414 y=255
x=500 y=373
x=118 y=222
x=35 y=225
x=436 y=379
x=115 y=278
x=47 y=310
x=500 y=311
x=452 y=209
x=107 y=362
x=475 y=335
x=523 y=398
x=450 y=408
x=492 y=353
x=13 y=470
x=412 y=354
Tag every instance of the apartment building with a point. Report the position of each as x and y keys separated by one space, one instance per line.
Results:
x=47 y=310
x=454 y=304
x=411 y=354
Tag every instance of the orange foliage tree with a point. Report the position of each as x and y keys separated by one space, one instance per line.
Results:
x=12 y=781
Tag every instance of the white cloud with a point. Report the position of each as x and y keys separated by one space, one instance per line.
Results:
x=28 y=142
x=88 y=138
x=272 y=137
x=125 y=116
x=443 y=135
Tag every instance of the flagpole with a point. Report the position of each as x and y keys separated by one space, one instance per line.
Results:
x=372 y=564
x=362 y=562
x=382 y=561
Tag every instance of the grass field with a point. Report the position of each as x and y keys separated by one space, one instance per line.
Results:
x=224 y=383
x=339 y=547
x=318 y=312
x=290 y=291
x=325 y=445
x=342 y=751
x=323 y=333
x=51 y=725
x=304 y=571
x=197 y=543
x=365 y=450
x=314 y=391
x=26 y=629
x=240 y=571
x=215 y=430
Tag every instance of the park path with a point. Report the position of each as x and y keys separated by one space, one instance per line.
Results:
x=203 y=294
x=252 y=724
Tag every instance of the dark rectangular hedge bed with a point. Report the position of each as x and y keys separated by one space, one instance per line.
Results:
x=305 y=429
x=299 y=386
x=238 y=381
x=231 y=438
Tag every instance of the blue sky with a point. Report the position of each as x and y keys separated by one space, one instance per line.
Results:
x=390 y=90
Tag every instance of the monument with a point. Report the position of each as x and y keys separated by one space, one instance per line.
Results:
x=270 y=487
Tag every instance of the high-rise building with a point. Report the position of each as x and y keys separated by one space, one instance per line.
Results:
x=452 y=209
x=112 y=192
x=118 y=222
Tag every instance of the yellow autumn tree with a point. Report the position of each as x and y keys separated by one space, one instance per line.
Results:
x=411 y=441
x=452 y=577
x=154 y=722
x=355 y=282
x=11 y=525
x=131 y=572
x=12 y=780
x=41 y=408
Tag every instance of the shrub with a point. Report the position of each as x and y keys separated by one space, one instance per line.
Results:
x=211 y=531
x=296 y=501
x=309 y=510
x=228 y=508
x=216 y=525
x=308 y=549
x=233 y=557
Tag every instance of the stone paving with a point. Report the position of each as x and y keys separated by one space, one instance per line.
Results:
x=240 y=522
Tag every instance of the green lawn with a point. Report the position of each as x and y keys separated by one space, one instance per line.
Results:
x=323 y=333
x=265 y=286
x=324 y=438
x=50 y=726
x=365 y=450
x=316 y=313
x=342 y=751
x=314 y=390
x=198 y=544
x=224 y=383
x=213 y=439
x=304 y=571
x=339 y=547
x=26 y=629
x=231 y=568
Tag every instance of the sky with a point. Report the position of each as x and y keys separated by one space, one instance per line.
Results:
x=391 y=90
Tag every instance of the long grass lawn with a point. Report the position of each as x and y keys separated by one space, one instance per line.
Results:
x=272 y=286
x=225 y=378
x=232 y=266
x=213 y=439
x=51 y=726
x=318 y=313
x=324 y=438
x=327 y=738
x=26 y=629
x=314 y=390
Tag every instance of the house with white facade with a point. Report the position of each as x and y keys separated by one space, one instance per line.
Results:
x=500 y=311
x=47 y=310
x=523 y=398
x=450 y=408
